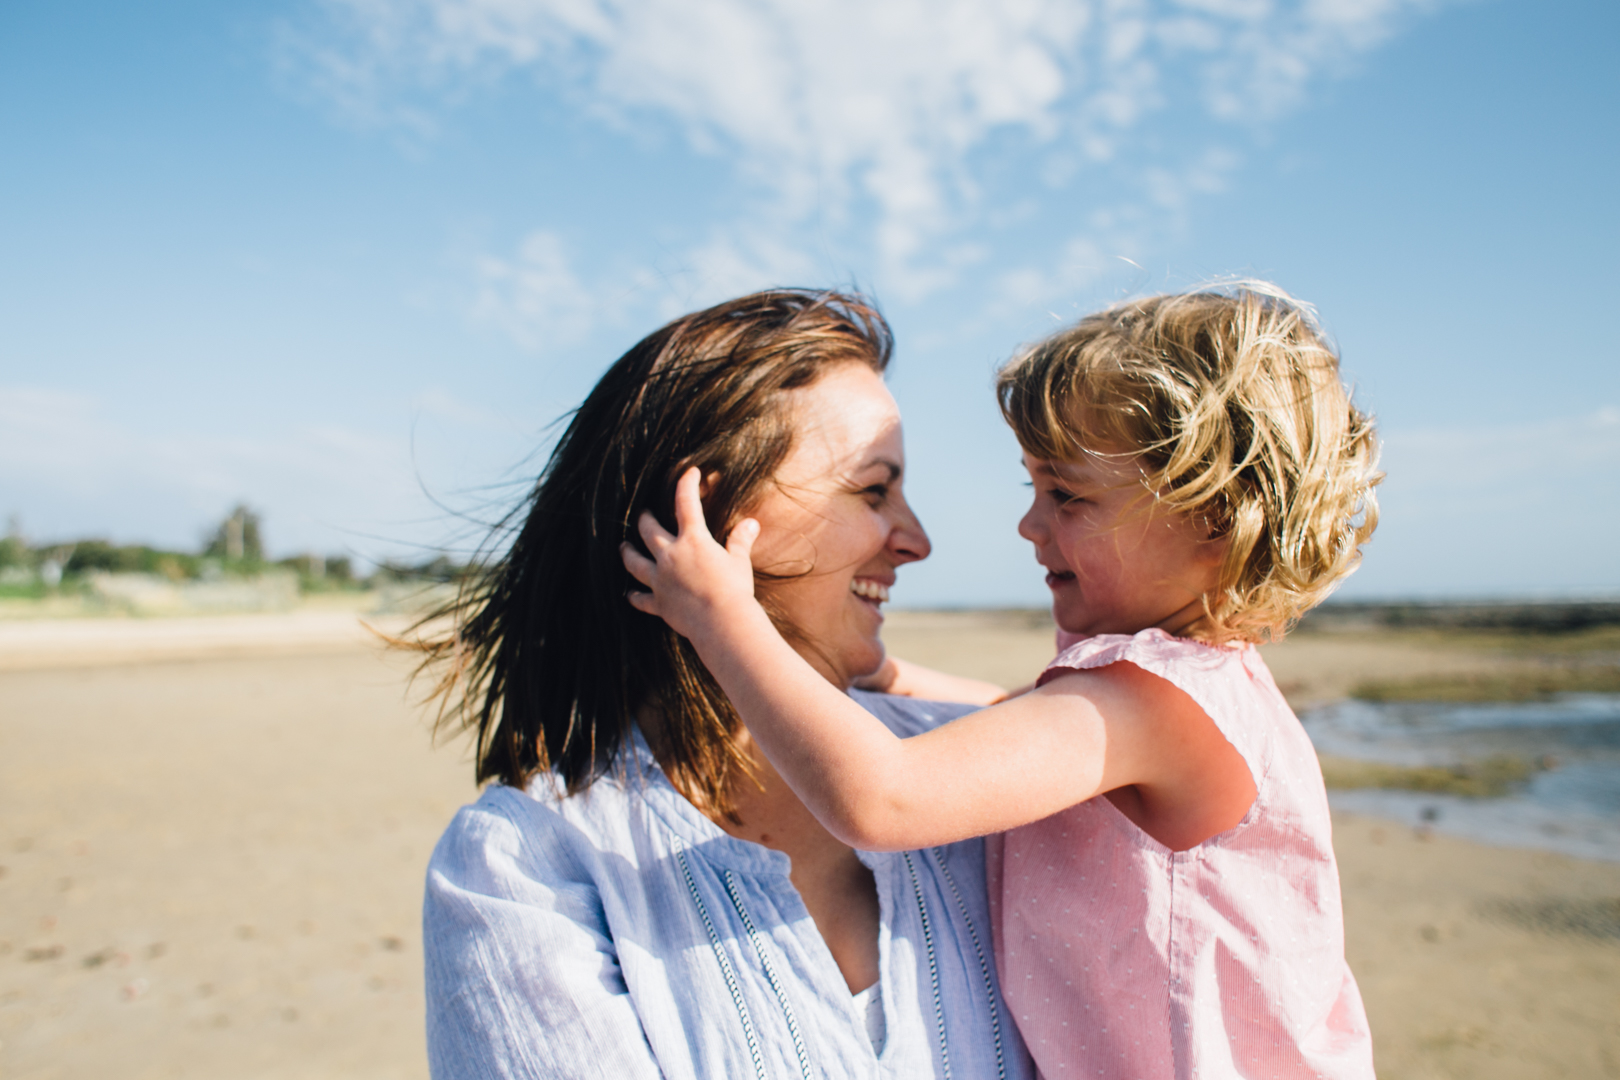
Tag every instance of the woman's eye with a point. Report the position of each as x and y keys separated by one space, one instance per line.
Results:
x=877 y=492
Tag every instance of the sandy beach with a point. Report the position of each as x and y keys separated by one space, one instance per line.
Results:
x=212 y=835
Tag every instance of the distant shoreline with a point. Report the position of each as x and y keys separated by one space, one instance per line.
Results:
x=1531 y=614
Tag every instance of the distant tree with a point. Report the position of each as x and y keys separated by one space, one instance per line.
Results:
x=14 y=551
x=95 y=554
x=441 y=568
x=52 y=561
x=321 y=573
x=238 y=537
x=98 y=555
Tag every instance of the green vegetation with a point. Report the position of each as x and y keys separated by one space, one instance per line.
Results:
x=1483 y=779
x=238 y=539
x=88 y=555
x=1540 y=618
x=1561 y=636
x=324 y=574
x=234 y=549
x=13 y=549
x=23 y=590
x=440 y=569
x=1515 y=684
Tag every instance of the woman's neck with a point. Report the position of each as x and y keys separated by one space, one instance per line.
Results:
x=766 y=810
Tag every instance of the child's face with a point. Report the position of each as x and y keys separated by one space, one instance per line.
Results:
x=1114 y=564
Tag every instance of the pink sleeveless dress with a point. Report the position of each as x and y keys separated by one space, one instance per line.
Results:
x=1121 y=958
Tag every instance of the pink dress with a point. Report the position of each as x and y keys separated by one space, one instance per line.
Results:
x=1121 y=958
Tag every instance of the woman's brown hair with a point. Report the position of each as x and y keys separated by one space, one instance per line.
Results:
x=547 y=663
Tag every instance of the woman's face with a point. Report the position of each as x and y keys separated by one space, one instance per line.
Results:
x=835 y=523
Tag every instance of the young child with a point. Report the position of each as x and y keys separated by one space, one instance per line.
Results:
x=1165 y=899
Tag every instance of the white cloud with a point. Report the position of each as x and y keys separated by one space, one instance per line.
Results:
x=839 y=107
x=535 y=296
x=734 y=259
x=539 y=300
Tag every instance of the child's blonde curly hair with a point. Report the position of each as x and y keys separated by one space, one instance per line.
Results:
x=1230 y=401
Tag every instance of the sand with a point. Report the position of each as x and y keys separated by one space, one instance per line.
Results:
x=213 y=868
x=213 y=839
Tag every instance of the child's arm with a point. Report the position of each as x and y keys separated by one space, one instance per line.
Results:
x=1078 y=736
x=905 y=679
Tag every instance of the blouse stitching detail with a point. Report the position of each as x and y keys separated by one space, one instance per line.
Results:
x=933 y=965
x=984 y=968
x=725 y=964
x=770 y=974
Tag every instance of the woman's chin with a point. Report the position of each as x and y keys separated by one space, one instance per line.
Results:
x=862 y=663
x=872 y=609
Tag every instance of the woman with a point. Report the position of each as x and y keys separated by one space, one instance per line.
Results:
x=639 y=894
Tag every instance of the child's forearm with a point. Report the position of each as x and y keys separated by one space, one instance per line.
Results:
x=989 y=771
x=840 y=759
x=868 y=787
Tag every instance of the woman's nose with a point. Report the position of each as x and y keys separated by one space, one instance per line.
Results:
x=907 y=539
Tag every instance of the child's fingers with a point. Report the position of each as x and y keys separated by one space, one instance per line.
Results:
x=741 y=541
x=642 y=601
x=654 y=535
x=641 y=568
x=689 y=503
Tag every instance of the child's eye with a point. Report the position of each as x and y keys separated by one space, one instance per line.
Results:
x=1058 y=495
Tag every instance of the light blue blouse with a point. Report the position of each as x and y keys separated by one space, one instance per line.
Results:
x=621 y=934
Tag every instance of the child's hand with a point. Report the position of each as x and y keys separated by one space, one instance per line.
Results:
x=695 y=583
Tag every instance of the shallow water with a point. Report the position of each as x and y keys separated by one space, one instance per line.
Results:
x=1571 y=806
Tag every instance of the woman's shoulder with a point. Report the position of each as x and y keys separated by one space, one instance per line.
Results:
x=506 y=827
x=537 y=828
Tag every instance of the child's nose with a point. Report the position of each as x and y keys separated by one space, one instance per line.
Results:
x=1032 y=526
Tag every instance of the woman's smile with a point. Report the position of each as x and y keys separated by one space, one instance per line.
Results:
x=876 y=592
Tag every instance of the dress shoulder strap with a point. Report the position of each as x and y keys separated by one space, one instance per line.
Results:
x=1231 y=685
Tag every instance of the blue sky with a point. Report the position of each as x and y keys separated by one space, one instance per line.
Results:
x=347 y=259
